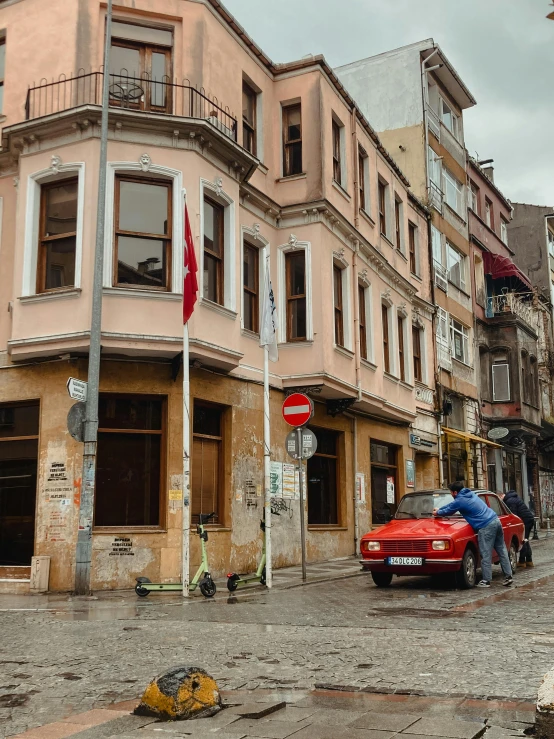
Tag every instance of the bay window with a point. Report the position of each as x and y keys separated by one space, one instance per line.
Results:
x=57 y=235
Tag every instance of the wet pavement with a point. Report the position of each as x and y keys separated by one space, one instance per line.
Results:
x=61 y=656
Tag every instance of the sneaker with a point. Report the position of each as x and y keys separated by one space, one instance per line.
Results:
x=522 y=564
x=508 y=581
x=483 y=584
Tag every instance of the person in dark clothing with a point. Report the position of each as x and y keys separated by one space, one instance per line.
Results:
x=517 y=506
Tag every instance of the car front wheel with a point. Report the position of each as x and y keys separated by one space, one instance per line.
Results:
x=382 y=579
x=467 y=574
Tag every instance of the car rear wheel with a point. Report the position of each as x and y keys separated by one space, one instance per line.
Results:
x=382 y=579
x=467 y=574
x=512 y=554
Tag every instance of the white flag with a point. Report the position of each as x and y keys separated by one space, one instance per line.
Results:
x=268 y=324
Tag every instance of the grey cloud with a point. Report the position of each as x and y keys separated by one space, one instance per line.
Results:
x=503 y=50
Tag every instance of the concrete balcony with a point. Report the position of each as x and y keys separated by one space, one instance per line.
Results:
x=138 y=94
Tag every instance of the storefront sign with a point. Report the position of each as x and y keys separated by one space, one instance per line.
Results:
x=410 y=473
x=422 y=441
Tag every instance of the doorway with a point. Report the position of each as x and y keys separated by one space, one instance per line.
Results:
x=19 y=423
x=383 y=482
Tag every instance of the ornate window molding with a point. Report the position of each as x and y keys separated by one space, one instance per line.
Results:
x=57 y=171
x=216 y=192
x=293 y=245
x=176 y=176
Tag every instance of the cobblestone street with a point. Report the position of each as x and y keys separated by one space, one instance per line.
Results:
x=62 y=656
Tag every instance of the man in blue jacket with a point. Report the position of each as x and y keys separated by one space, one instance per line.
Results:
x=486 y=524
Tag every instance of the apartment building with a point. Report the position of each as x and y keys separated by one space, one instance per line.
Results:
x=508 y=329
x=531 y=236
x=299 y=176
x=416 y=100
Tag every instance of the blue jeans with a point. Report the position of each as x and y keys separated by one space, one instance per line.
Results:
x=492 y=537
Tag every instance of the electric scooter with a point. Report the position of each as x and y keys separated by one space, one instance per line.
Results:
x=235 y=581
x=202 y=579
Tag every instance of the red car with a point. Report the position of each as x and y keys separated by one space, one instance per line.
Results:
x=416 y=543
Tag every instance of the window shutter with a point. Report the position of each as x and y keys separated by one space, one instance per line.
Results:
x=500 y=382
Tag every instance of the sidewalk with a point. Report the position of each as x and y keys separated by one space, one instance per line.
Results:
x=316 y=714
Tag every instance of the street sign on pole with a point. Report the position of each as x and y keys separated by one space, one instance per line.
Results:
x=308 y=444
x=297 y=409
x=298 y=433
x=77 y=389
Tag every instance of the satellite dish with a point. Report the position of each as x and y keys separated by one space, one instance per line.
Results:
x=499 y=432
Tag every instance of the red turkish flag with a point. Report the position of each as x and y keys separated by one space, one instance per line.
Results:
x=190 y=279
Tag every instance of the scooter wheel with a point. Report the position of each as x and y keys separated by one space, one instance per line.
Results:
x=207 y=587
x=139 y=590
x=232 y=583
x=262 y=578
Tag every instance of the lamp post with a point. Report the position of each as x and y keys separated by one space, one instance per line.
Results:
x=86 y=505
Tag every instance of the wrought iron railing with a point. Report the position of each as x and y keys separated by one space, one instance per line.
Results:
x=520 y=304
x=143 y=94
x=435 y=196
x=433 y=121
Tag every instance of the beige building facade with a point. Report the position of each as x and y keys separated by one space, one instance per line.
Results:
x=297 y=177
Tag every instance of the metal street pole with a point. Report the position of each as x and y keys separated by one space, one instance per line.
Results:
x=86 y=505
x=301 y=491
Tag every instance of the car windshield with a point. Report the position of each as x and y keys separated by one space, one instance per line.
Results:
x=420 y=505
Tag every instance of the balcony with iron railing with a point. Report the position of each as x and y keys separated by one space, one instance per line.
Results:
x=127 y=92
x=512 y=303
x=436 y=196
x=433 y=122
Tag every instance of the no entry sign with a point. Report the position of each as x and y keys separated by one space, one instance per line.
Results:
x=297 y=410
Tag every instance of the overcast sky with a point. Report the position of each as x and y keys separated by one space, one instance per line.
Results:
x=502 y=49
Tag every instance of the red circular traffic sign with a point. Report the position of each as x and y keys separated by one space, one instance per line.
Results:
x=297 y=409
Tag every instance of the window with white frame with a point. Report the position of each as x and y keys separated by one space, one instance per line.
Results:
x=500 y=379
x=412 y=248
x=364 y=322
x=363 y=179
x=474 y=197
x=217 y=247
x=399 y=224
x=456 y=265
x=383 y=192
x=439 y=261
x=453 y=192
x=504 y=230
x=435 y=168
x=459 y=341
x=339 y=153
x=417 y=344
x=551 y=242
x=443 y=339
x=387 y=335
x=450 y=119
x=54 y=230
x=339 y=307
x=403 y=369
x=295 y=291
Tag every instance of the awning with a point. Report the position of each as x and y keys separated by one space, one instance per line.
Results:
x=470 y=437
x=498 y=266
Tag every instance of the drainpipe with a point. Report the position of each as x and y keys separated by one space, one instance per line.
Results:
x=357 y=361
x=356 y=502
x=355 y=169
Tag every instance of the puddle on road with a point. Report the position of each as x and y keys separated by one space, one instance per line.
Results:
x=415 y=612
x=517 y=591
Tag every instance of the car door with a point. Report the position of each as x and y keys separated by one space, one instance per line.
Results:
x=505 y=517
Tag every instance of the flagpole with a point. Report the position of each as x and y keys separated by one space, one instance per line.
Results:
x=267 y=468
x=186 y=465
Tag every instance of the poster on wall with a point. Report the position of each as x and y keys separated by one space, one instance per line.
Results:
x=410 y=473
x=290 y=482
x=276 y=479
x=390 y=489
x=360 y=487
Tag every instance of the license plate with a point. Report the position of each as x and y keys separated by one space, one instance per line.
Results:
x=411 y=561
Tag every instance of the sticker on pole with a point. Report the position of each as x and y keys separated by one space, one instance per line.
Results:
x=297 y=410
x=308 y=444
